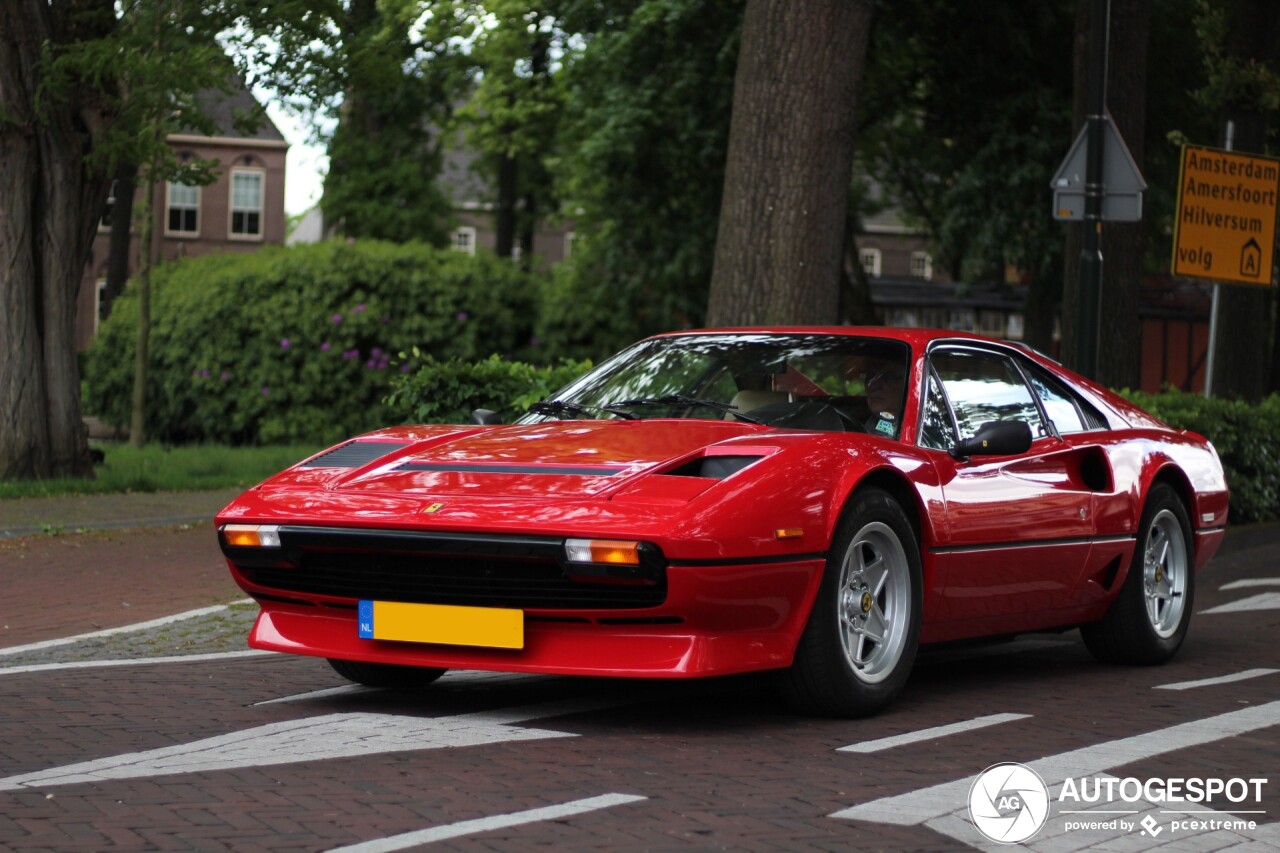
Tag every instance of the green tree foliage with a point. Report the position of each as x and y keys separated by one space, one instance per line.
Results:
x=965 y=118
x=298 y=344
x=389 y=72
x=81 y=82
x=641 y=168
x=513 y=112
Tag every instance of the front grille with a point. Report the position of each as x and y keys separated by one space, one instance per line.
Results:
x=426 y=568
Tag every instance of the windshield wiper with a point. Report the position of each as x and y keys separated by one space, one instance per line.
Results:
x=680 y=400
x=557 y=408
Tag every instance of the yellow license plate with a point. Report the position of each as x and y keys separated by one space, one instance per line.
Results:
x=448 y=624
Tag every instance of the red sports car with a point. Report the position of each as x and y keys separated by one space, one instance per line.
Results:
x=815 y=501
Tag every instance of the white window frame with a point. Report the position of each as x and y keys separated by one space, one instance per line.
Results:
x=463 y=239
x=871 y=260
x=568 y=244
x=170 y=206
x=232 y=209
x=922 y=266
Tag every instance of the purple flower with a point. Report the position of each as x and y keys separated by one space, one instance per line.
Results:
x=461 y=316
x=376 y=352
x=533 y=342
x=204 y=374
x=404 y=368
x=284 y=343
x=266 y=391
x=324 y=347
x=225 y=376
x=350 y=354
x=358 y=309
x=385 y=320
x=336 y=318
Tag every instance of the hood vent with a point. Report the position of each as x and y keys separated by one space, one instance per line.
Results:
x=714 y=467
x=354 y=454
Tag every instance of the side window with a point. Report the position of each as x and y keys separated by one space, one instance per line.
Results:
x=936 y=429
x=985 y=387
x=1058 y=403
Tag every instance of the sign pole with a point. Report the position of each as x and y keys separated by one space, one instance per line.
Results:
x=1230 y=138
x=1088 y=303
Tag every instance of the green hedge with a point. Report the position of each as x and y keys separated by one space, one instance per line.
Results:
x=447 y=391
x=1244 y=435
x=298 y=344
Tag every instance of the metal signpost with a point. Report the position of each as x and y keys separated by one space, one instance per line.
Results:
x=1098 y=181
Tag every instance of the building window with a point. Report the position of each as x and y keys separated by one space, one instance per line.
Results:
x=992 y=323
x=246 y=203
x=870 y=261
x=464 y=240
x=922 y=265
x=184 y=210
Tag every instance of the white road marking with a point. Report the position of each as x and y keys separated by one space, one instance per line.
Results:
x=123 y=629
x=93 y=664
x=1250 y=583
x=485 y=824
x=943 y=807
x=314 y=739
x=344 y=690
x=1262 y=601
x=930 y=734
x=1222 y=679
x=452 y=678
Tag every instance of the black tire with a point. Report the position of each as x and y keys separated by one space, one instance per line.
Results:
x=1148 y=621
x=385 y=674
x=860 y=642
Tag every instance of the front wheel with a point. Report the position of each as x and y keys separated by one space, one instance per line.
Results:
x=860 y=642
x=385 y=674
x=1149 y=618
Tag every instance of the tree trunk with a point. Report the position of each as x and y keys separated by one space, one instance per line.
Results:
x=49 y=207
x=142 y=345
x=1123 y=243
x=783 y=212
x=121 y=236
x=505 y=215
x=1242 y=357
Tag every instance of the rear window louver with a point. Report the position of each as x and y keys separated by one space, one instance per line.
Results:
x=354 y=454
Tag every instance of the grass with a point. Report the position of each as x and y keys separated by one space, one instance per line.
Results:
x=155 y=468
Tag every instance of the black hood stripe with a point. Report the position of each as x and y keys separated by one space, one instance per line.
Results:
x=482 y=468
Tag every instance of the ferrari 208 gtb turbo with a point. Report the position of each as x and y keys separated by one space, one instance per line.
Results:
x=814 y=501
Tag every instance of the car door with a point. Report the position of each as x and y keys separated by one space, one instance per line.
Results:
x=1017 y=529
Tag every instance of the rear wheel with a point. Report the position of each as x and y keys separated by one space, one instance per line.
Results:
x=861 y=639
x=385 y=674
x=1149 y=619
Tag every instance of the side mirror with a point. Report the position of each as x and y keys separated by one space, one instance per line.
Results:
x=996 y=438
x=485 y=417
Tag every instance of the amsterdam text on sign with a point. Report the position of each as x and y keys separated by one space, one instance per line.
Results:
x=1226 y=222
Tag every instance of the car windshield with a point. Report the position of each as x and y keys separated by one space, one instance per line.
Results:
x=801 y=381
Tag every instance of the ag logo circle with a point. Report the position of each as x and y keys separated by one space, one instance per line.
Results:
x=1008 y=802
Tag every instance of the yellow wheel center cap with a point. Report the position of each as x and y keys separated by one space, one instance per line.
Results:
x=866 y=602
x=1159 y=574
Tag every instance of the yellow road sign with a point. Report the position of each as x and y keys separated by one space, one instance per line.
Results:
x=1226 y=224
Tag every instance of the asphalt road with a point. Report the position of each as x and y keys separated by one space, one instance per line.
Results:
x=173 y=737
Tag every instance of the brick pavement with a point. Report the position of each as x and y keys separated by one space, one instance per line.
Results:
x=72 y=583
